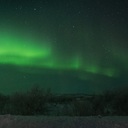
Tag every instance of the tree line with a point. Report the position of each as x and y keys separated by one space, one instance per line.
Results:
x=36 y=100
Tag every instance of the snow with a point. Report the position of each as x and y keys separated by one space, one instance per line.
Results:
x=9 y=121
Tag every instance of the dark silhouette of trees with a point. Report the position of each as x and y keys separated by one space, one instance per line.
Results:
x=120 y=102
x=3 y=103
x=82 y=108
x=38 y=101
x=33 y=102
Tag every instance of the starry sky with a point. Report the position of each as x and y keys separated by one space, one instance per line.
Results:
x=70 y=46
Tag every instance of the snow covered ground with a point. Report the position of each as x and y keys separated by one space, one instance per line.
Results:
x=8 y=121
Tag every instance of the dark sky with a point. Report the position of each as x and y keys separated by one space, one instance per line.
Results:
x=71 y=46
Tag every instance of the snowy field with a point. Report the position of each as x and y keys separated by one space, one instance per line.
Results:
x=8 y=121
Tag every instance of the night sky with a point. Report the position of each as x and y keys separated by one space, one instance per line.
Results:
x=70 y=46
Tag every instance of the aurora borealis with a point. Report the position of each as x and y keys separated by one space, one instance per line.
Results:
x=20 y=51
x=70 y=46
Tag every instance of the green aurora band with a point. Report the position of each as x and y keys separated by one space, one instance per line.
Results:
x=26 y=51
x=20 y=50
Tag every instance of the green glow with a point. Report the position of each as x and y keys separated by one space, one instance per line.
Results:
x=19 y=50
x=92 y=69
x=76 y=62
x=110 y=72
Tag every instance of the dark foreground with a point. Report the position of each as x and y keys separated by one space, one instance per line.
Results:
x=8 y=121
